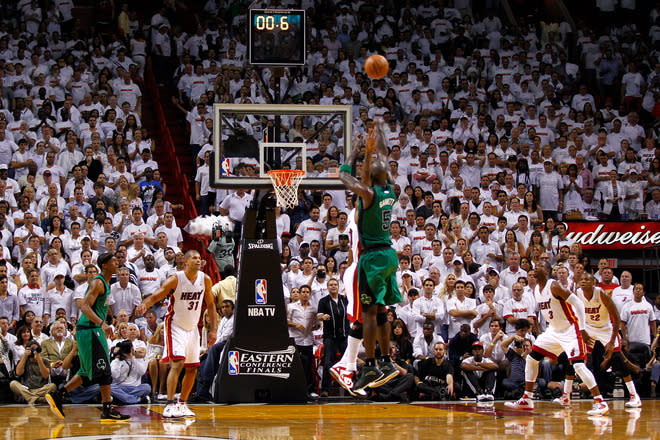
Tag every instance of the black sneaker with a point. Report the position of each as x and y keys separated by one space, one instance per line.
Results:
x=367 y=376
x=112 y=415
x=54 y=400
x=389 y=370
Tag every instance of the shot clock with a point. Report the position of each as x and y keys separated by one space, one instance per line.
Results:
x=277 y=37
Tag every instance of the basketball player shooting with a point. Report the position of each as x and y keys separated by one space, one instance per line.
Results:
x=565 y=315
x=378 y=262
x=92 y=344
x=187 y=289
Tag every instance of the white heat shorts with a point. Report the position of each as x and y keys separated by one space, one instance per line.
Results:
x=551 y=343
x=181 y=344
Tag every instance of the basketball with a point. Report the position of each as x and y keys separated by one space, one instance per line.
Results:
x=376 y=66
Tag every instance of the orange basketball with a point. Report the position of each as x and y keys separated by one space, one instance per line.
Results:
x=376 y=66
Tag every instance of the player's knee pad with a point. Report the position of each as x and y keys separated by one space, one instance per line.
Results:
x=356 y=331
x=584 y=373
x=538 y=357
x=570 y=370
x=531 y=367
x=381 y=318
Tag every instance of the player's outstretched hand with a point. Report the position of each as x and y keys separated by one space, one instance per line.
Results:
x=210 y=338
x=140 y=309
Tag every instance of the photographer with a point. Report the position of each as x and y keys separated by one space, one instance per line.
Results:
x=514 y=385
x=33 y=373
x=127 y=375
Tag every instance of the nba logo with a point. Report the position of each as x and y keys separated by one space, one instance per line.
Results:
x=260 y=291
x=233 y=363
x=225 y=168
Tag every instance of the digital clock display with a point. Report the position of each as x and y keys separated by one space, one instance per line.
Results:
x=277 y=37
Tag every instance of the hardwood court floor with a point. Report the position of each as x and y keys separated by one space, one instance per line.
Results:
x=378 y=421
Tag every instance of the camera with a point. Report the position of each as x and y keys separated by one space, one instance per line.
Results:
x=122 y=350
x=554 y=232
x=34 y=350
x=320 y=274
x=518 y=344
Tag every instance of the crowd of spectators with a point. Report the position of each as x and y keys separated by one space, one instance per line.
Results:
x=77 y=178
x=495 y=133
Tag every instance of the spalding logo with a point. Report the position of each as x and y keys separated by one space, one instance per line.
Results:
x=260 y=244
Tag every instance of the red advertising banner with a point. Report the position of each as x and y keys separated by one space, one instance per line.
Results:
x=614 y=235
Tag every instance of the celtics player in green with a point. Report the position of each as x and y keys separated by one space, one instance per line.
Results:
x=378 y=262
x=92 y=345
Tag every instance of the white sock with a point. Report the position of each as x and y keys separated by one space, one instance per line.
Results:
x=598 y=398
x=568 y=387
x=349 y=359
x=631 y=388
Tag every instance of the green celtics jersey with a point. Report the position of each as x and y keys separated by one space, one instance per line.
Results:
x=374 y=221
x=100 y=306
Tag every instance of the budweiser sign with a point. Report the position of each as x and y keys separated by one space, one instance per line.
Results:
x=614 y=235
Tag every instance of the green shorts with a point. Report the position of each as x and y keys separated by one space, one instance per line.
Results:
x=93 y=355
x=377 y=277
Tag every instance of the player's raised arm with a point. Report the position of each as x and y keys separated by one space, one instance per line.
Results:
x=381 y=148
x=165 y=289
x=362 y=189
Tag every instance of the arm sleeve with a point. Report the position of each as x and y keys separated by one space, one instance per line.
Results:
x=578 y=308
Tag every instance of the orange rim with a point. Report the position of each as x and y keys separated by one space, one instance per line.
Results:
x=283 y=177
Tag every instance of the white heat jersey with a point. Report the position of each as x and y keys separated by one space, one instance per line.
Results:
x=350 y=274
x=597 y=315
x=558 y=313
x=186 y=301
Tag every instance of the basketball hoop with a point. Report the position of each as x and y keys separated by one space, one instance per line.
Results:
x=286 y=184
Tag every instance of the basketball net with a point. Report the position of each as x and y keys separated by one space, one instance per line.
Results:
x=286 y=184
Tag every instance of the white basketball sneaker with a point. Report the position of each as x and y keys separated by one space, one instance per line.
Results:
x=564 y=400
x=172 y=411
x=599 y=409
x=184 y=411
x=634 y=402
x=524 y=403
x=345 y=379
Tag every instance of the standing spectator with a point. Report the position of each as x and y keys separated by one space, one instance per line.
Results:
x=632 y=88
x=123 y=294
x=550 y=187
x=428 y=308
x=9 y=304
x=332 y=311
x=302 y=320
x=31 y=297
x=461 y=310
x=637 y=327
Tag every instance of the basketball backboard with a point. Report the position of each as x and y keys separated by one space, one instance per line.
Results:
x=246 y=144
